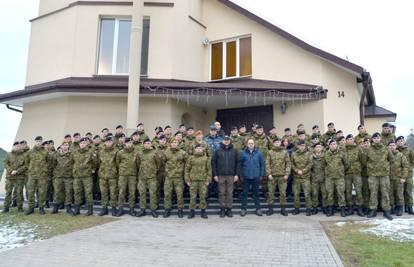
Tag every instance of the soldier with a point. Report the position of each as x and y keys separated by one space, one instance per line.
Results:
x=272 y=136
x=386 y=134
x=126 y=160
x=108 y=177
x=198 y=176
x=84 y=165
x=213 y=139
x=141 y=131
x=378 y=159
x=104 y=134
x=174 y=160
x=136 y=141
x=38 y=160
x=315 y=139
x=301 y=137
x=182 y=129
x=119 y=131
x=329 y=134
x=301 y=129
x=301 y=167
x=408 y=185
x=75 y=144
x=316 y=132
x=161 y=147
x=336 y=163
x=288 y=135
x=278 y=167
x=354 y=156
x=364 y=145
x=220 y=131
x=362 y=134
x=15 y=166
x=261 y=141
x=318 y=179
x=398 y=172
x=48 y=145
x=168 y=133
x=179 y=137
x=63 y=178
x=121 y=141
x=67 y=139
x=199 y=141
x=339 y=134
x=25 y=149
x=149 y=162
x=242 y=132
x=236 y=139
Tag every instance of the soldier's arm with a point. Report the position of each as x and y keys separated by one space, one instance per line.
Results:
x=405 y=167
x=268 y=166
x=294 y=168
x=308 y=167
x=411 y=158
x=288 y=164
x=7 y=164
x=187 y=171
x=209 y=171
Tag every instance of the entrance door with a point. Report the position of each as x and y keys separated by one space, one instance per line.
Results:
x=262 y=115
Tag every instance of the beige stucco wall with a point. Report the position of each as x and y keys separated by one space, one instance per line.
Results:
x=374 y=124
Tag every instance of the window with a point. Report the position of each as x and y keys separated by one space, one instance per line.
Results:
x=114 y=43
x=231 y=58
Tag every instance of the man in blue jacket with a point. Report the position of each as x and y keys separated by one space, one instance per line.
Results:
x=251 y=169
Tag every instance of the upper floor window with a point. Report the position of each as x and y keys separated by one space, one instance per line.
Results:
x=114 y=44
x=231 y=58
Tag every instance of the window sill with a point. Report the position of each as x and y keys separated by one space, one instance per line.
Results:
x=231 y=78
x=116 y=75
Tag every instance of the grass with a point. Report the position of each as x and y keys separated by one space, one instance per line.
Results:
x=366 y=250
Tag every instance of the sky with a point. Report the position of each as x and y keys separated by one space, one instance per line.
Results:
x=377 y=35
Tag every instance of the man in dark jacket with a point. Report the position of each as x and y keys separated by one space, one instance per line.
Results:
x=251 y=169
x=224 y=167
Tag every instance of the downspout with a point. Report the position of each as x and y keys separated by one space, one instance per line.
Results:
x=14 y=109
x=365 y=83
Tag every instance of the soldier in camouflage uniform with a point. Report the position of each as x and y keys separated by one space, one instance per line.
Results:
x=49 y=146
x=288 y=135
x=15 y=166
x=378 y=159
x=354 y=155
x=149 y=162
x=318 y=178
x=236 y=139
x=126 y=160
x=119 y=132
x=136 y=141
x=84 y=165
x=301 y=168
x=272 y=136
x=108 y=177
x=261 y=140
x=336 y=164
x=198 y=176
x=63 y=179
x=38 y=160
x=330 y=134
x=278 y=167
x=408 y=185
x=364 y=145
x=362 y=134
x=199 y=141
x=75 y=144
x=316 y=133
x=398 y=172
x=24 y=148
x=243 y=134
x=386 y=134
x=301 y=137
x=174 y=160
x=141 y=131
x=189 y=137
x=161 y=147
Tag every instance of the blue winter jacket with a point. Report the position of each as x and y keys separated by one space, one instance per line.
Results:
x=251 y=164
x=213 y=142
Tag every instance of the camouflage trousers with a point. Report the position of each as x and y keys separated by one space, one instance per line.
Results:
x=365 y=192
x=109 y=191
x=50 y=191
x=356 y=181
x=38 y=185
x=16 y=186
x=24 y=190
x=382 y=184
x=396 y=192
x=408 y=191
x=127 y=184
x=160 y=185
x=319 y=189
x=170 y=185
x=63 y=190
x=82 y=187
x=281 y=184
x=338 y=186
x=198 y=188
x=304 y=185
x=151 y=186
x=225 y=186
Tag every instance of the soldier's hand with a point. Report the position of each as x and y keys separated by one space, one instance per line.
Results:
x=270 y=177
x=14 y=172
x=216 y=178
x=236 y=178
x=189 y=183
x=402 y=181
x=286 y=177
x=207 y=183
x=300 y=172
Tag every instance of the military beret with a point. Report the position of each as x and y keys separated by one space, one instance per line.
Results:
x=349 y=136
x=314 y=136
x=51 y=142
x=300 y=125
x=45 y=143
x=341 y=138
x=317 y=144
x=161 y=137
x=140 y=124
x=127 y=140
x=376 y=135
x=177 y=133
x=181 y=125
x=105 y=129
x=386 y=124
x=110 y=134
x=301 y=132
x=198 y=145
x=315 y=127
x=16 y=143
x=190 y=128
x=400 y=138
x=273 y=128
x=119 y=127
x=88 y=133
x=339 y=131
x=67 y=136
x=259 y=127
x=226 y=137
x=167 y=127
x=158 y=129
x=84 y=139
x=24 y=142
x=276 y=139
x=331 y=124
x=242 y=126
x=391 y=142
x=147 y=140
x=108 y=138
x=76 y=134
x=287 y=129
x=38 y=138
x=135 y=133
x=366 y=139
x=301 y=142
x=360 y=126
x=331 y=141
x=96 y=137
x=234 y=128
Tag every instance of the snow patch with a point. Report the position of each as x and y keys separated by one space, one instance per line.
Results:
x=13 y=236
x=400 y=230
x=340 y=224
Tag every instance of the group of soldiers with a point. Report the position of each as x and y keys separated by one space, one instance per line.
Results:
x=361 y=173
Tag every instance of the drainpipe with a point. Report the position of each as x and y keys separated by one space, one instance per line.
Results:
x=14 y=109
x=365 y=83
x=134 y=66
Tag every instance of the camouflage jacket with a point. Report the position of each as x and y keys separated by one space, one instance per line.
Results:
x=74 y=146
x=175 y=160
x=278 y=162
x=15 y=161
x=398 y=166
x=335 y=164
x=207 y=149
x=409 y=154
x=149 y=162
x=39 y=161
x=326 y=136
x=107 y=163
x=318 y=167
x=63 y=165
x=126 y=160
x=354 y=156
x=84 y=163
x=198 y=168
x=377 y=158
x=360 y=137
x=386 y=138
x=262 y=143
x=302 y=160
x=238 y=142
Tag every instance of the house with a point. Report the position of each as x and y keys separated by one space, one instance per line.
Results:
x=200 y=60
x=3 y=154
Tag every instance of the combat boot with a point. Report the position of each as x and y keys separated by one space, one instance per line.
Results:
x=343 y=212
x=14 y=203
x=392 y=210
x=329 y=211
x=191 y=214
x=308 y=212
x=90 y=211
x=132 y=212
x=360 y=212
x=350 y=211
x=55 y=208
x=314 y=211
x=324 y=210
x=405 y=208
x=259 y=212
x=69 y=210
x=76 y=210
x=270 y=211
x=388 y=215
x=103 y=212
x=372 y=214
x=5 y=210
x=222 y=212
x=229 y=213
x=61 y=206
x=154 y=213
x=180 y=213
x=283 y=211
x=295 y=211
x=410 y=210
x=142 y=212
x=113 y=211
x=42 y=211
x=30 y=211
x=398 y=210
x=167 y=214
x=120 y=212
x=204 y=214
x=243 y=212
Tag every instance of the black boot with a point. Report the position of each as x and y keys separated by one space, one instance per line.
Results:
x=30 y=211
x=69 y=210
x=243 y=212
x=47 y=205
x=314 y=211
x=154 y=214
x=114 y=211
x=350 y=210
x=5 y=210
x=295 y=211
x=204 y=214
x=167 y=214
x=14 y=203
x=324 y=210
x=191 y=214
x=388 y=215
x=410 y=210
x=405 y=208
x=329 y=211
x=90 y=211
x=120 y=212
x=222 y=213
x=360 y=212
x=76 y=210
x=398 y=210
x=392 y=210
x=259 y=212
x=343 y=212
x=141 y=213
x=55 y=208
x=308 y=212
x=283 y=211
x=270 y=212
x=229 y=213
x=372 y=214
x=180 y=213
x=61 y=206
x=42 y=211
x=132 y=212
x=103 y=212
